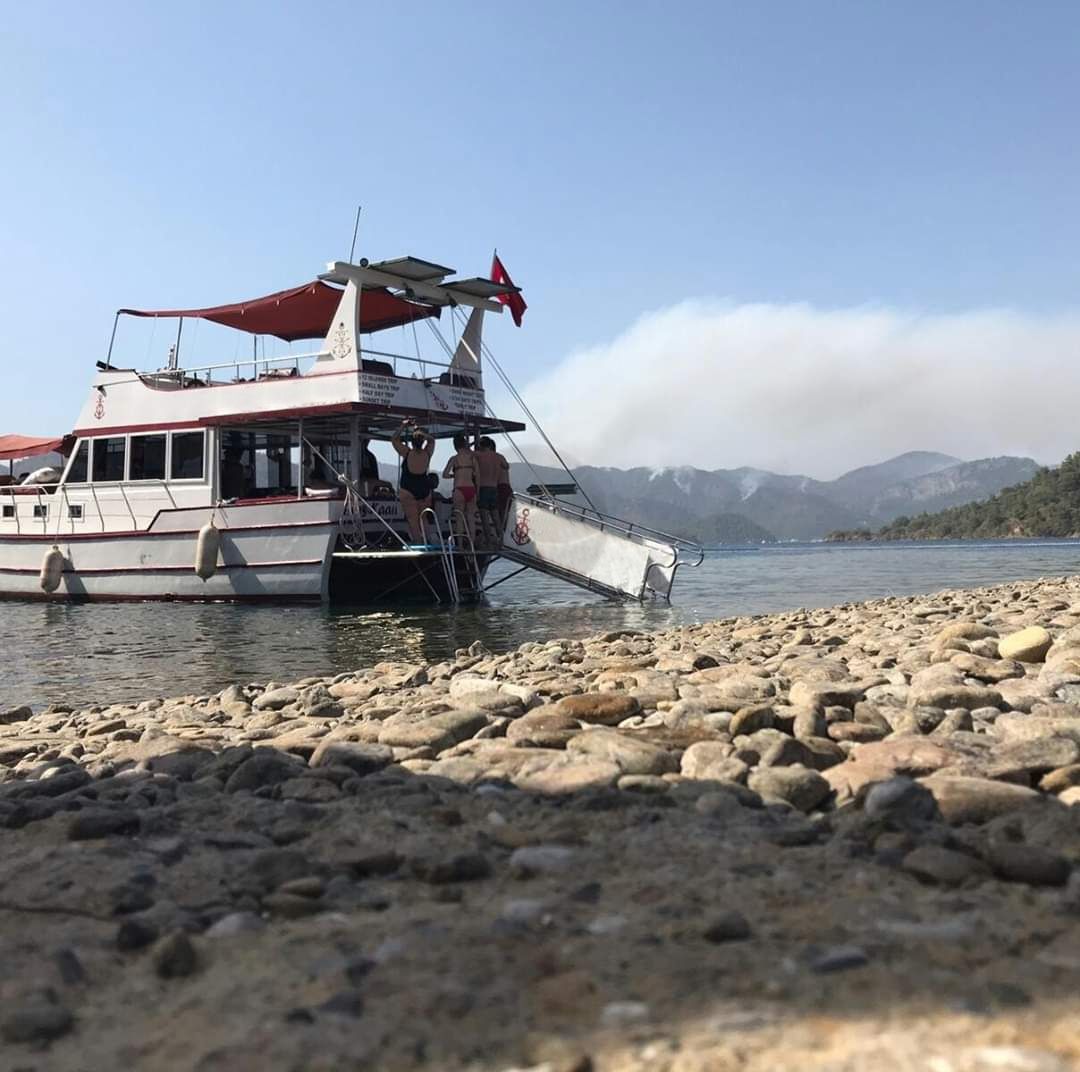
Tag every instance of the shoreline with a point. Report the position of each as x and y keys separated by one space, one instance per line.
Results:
x=846 y=834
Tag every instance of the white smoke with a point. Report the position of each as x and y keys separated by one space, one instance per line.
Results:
x=797 y=389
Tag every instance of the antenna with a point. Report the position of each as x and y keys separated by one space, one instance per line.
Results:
x=355 y=230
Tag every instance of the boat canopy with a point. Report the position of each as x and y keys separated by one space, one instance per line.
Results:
x=14 y=448
x=303 y=312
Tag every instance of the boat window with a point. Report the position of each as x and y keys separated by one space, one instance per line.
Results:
x=75 y=511
x=108 y=463
x=41 y=510
x=256 y=465
x=80 y=464
x=147 y=457
x=9 y=510
x=187 y=455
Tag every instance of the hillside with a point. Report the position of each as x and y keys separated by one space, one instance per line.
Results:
x=1046 y=505
x=748 y=505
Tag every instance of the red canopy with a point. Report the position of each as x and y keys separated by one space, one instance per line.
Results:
x=303 y=312
x=15 y=447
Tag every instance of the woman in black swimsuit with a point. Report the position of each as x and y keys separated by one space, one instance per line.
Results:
x=415 y=487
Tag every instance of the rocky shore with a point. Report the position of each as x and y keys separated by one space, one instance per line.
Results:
x=831 y=839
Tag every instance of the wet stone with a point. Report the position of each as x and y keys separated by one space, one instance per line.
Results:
x=1030 y=864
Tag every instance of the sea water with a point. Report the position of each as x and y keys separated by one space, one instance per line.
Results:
x=102 y=653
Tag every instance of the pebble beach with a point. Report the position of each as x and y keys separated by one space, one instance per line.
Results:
x=831 y=839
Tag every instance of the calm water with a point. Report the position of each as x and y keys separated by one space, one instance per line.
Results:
x=101 y=653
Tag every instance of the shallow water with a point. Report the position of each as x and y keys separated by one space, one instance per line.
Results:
x=104 y=653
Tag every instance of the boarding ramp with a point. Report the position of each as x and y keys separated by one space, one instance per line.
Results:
x=607 y=555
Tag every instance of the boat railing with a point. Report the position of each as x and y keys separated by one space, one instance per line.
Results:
x=290 y=366
x=687 y=553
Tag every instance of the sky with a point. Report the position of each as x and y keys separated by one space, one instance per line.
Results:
x=788 y=235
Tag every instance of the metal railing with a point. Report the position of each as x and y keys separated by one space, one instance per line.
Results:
x=263 y=367
x=629 y=529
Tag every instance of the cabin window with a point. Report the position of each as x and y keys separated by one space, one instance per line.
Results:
x=255 y=465
x=41 y=510
x=75 y=512
x=147 y=457
x=80 y=464
x=9 y=511
x=109 y=459
x=187 y=455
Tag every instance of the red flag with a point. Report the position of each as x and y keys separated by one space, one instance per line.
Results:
x=514 y=299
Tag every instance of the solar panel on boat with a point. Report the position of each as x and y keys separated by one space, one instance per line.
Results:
x=479 y=287
x=413 y=269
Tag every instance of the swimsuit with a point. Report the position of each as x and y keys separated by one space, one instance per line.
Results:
x=416 y=484
x=488 y=498
x=468 y=492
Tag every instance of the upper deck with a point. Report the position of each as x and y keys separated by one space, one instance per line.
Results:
x=341 y=375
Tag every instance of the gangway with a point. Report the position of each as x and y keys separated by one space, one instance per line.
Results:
x=615 y=558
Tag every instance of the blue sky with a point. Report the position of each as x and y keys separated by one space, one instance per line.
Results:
x=623 y=157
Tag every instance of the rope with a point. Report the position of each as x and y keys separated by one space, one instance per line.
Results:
x=486 y=351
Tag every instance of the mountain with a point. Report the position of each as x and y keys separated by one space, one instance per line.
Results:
x=1046 y=505
x=753 y=505
x=858 y=486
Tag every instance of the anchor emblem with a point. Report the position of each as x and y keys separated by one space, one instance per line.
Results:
x=99 y=407
x=520 y=533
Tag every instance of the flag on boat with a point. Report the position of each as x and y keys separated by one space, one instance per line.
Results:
x=499 y=274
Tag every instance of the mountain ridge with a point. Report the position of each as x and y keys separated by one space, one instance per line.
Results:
x=734 y=505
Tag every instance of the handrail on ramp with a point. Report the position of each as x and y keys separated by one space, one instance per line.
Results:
x=616 y=558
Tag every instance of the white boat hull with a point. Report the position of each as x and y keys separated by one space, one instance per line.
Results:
x=274 y=551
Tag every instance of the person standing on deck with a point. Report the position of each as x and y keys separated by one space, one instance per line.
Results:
x=415 y=486
x=462 y=468
x=492 y=469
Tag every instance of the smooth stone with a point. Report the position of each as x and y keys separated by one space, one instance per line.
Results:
x=236 y=923
x=840 y=958
x=964 y=799
x=802 y=788
x=464 y=867
x=600 y=708
x=543 y=727
x=730 y=926
x=571 y=777
x=1028 y=645
x=36 y=1021
x=901 y=800
x=360 y=758
x=1031 y=864
x=102 y=822
x=1056 y=781
x=629 y=755
x=175 y=956
x=1033 y=757
x=943 y=867
x=277 y=699
x=438 y=732
x=532 y=860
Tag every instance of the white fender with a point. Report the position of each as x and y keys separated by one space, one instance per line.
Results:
x=52 y=569
x=206 y=551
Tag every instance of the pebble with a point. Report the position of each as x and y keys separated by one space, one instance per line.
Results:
x=175 y=956
x=730 y=926
x=36 y=1021
x=839 y=958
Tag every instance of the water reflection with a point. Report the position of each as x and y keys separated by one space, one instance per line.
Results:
x=104 y=653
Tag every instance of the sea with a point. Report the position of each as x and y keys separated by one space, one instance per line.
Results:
x=107 y=653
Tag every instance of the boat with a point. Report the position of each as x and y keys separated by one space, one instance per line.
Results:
x=245 y=480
